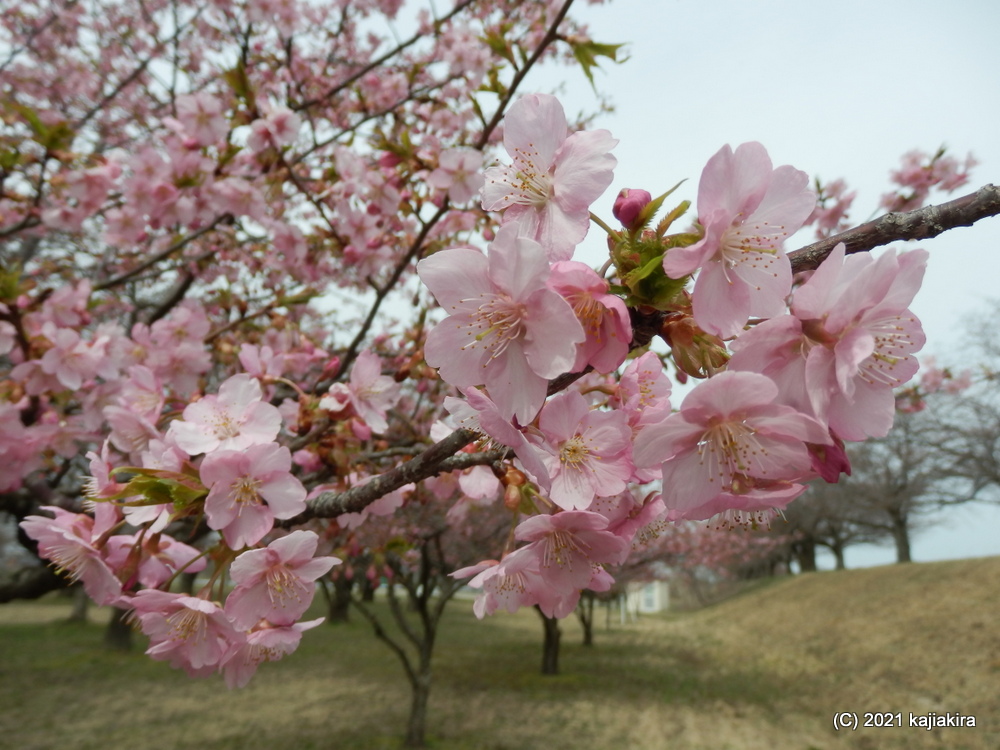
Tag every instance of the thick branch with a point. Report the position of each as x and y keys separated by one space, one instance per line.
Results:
x=437 y=459
x=920 y=224
x=30 y=583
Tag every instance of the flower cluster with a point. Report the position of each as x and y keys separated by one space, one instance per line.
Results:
x=818 y=366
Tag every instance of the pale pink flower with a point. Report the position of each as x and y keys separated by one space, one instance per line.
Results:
x=371 y=392
x=604 y=317
x=644 y=391
x=202 y=118
x=235 y=418
x=729 y=437
x=280 y=128
x=459 y=172
x=262 y=645
x=568 y=545
x=276 y=583
x=248 y=490
x=68 y=542
x=555 y=175
x=587 y=451
x=509 y=584
x=191 y=633
x=847 y=343
x=505 y=327
x=747 y=210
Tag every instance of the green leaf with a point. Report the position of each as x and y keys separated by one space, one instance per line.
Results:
x=497 y=41
x=649 y=285
x=586 y=53
x=159 y=486
x=670 y=218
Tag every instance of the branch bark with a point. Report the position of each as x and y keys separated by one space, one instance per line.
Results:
x=919 y=224
x=922 y=223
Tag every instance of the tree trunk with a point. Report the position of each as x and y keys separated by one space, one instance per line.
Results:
x=550 y=648
x=585 y=613
x=838 y=553
x=416 y=726
x=805 y=554
x=118 y=634
x=901 y=536
x=81 y=603
x=338 y=601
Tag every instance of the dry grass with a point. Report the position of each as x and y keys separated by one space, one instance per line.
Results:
x=765 y=670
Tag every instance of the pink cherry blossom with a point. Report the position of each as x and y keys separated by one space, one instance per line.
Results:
x=248 y=490
x=729 y=437
x=568 y=545
x=235 y=418
x=554 y=178
x=847 y=343
x=371 y=392
x=191 y=633
x=266 y=643
x=505 y=327
x=68 y=541
x=276 y=583
x=459 y=172
x=747 y=210
x=510 y=584
x=201 y=116
x=587 y=450
x=604 y=317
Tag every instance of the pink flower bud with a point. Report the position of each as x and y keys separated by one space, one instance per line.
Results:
x=628 y=205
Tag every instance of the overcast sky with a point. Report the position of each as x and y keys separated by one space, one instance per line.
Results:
x=837 y=90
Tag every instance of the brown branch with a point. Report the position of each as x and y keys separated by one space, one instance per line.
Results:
x=181 y=243
x=920 y=224
x=437 y=459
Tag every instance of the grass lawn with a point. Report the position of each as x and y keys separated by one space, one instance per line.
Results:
x=765 y=670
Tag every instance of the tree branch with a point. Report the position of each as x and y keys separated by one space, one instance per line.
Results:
x=920 y=224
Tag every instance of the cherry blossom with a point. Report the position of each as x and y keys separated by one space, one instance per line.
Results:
x=730 y=436
x=604 y=317
x=191 y=633
x=276 y=583
x=587 y=451
x=505 y=328
x=847 y=343
x=235 y=418
x=554 y=177
x=68 y=540
x=459 y=173
x=249 y=488
x=747 y=210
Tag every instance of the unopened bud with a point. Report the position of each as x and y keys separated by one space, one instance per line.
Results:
x=695 y=352
x=628 y=206
x=512 y=497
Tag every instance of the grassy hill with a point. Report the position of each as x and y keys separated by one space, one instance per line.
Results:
x=766 y=670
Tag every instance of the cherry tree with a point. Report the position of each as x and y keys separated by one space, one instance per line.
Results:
x=207 y=211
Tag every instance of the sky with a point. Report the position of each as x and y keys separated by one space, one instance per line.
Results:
x=837 y=90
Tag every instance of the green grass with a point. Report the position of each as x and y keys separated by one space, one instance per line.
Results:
x=763 y=671
x=341 y=689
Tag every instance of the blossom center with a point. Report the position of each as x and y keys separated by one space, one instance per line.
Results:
x=186 y=624
x=730 y=449
x=224 y=426
x=500 y=321
x=245 y=490
x=532 y=183
x=575 y=453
